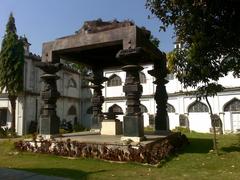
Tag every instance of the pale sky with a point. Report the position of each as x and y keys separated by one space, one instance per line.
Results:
x=45 y=20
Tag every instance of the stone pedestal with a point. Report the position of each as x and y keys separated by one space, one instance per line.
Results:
x=111 y=127
x=133 y=125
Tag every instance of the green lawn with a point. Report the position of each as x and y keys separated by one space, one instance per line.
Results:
x=194 y=162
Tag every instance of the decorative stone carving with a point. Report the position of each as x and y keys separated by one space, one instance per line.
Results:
x=49 y=121
x=97 y=99
x=161 y=97
x=133 y=120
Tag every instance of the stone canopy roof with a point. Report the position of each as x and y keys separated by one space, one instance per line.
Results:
x=98 y=42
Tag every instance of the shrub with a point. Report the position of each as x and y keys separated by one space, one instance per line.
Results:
x=6 y=132
x=78 y=127
x=3 y=132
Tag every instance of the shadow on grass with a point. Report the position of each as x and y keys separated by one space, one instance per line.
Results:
x=198 y=145
x=233 y=148
x=62 y=172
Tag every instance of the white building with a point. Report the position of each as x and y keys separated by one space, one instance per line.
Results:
x=75 y=100
x=183 y=110
x=72 y=104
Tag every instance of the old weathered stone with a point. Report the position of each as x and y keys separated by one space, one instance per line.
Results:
x=97 y=99
x=133 y=120
x=49 y=121
x=161 y=97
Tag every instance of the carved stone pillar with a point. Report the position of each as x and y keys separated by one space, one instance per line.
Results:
x=161 y=97
x=49 y=121
x=97 y=99
x=133 y=120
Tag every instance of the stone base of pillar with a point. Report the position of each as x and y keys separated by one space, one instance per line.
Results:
x=111 y=127
x=49 y=124
x=133 y=126
x=47 y=136
x=162 y=132
x=134 y=139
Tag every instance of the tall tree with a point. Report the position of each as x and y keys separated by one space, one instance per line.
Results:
x=11 y=65
x=208 y=31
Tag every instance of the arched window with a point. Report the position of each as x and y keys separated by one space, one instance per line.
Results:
x=72 y=110
x=115 y=108
x=233 y=105
x=170 y=108
x=114 y=80
x=143 y=108
x=72 y=83
x=142 y=78
x=90 y=110
x=198 y=107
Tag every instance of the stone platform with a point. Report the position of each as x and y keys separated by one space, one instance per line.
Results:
x=151 y=150
x=96 y=138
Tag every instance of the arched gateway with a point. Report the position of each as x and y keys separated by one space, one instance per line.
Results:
x=103 y=45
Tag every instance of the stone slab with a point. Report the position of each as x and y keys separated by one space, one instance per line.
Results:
x=111 y=127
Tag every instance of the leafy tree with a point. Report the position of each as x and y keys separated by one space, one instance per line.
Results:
x=154 y=40
x=11 y=65
x=208 y=31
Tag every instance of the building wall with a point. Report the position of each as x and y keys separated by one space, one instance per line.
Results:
x=198 y=121
x=28 y=104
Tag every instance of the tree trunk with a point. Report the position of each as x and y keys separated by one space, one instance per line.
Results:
x=13 y=106
x=215 y=147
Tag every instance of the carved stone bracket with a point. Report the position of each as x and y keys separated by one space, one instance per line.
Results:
x=49 y=121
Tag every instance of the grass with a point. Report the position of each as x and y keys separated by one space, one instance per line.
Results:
x=196 y=161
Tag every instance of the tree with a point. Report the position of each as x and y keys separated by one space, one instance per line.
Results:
x=11 y=65
x=208 y=31
x=154 y=40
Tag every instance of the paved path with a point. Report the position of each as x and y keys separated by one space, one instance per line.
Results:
x=12 y=174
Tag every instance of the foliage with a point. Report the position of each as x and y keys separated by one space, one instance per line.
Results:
x=152 y=154
x=11 y=60
x=11 y=64
x=170 y=61
x=154 y=40
x=77 y=127
x=208 y=30
x=181 y=129
x=3 y=132
x=66 y=126
x=7 y=133
x=209 y=34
